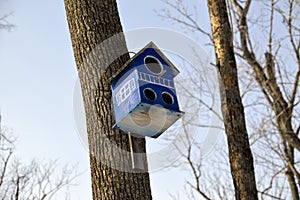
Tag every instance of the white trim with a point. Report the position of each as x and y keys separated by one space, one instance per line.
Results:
x=125 y=91
x=153 y=93
x=158 y=81
x=158 y=62
x=170 y=96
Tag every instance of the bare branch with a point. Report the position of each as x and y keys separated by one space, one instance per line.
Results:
x=4 y=23
x=187 y=20
x=37 y=180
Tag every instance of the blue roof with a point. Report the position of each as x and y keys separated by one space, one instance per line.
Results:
x=151 y=44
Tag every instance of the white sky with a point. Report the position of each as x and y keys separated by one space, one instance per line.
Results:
x=37 y=78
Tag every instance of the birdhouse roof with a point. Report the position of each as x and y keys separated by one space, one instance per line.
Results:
x=151 y=44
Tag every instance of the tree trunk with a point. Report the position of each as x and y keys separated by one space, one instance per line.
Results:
x=240 y=156
x=91 y=23
x=266 y=79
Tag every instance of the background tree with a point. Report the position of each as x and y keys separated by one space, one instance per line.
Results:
x=266 y=41
x=277 y=82
x=28 y=181
x=91 y=23
x=36 y=180
x=240 y=155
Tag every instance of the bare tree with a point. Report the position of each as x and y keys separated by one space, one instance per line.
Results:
x=277 y=82
x=240 y=155
x=266 y=41
x=33 y=181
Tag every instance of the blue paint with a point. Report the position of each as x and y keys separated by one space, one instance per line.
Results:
x=145 y=101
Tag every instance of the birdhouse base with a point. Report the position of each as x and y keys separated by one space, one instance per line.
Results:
x=148 y=120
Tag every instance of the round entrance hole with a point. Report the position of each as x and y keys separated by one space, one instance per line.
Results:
x=149 y=94
x=167 y=98
x=153 y=64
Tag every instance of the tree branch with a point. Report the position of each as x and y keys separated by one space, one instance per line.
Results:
x=4 y=24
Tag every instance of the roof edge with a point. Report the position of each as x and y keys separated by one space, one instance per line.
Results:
x=152 y=45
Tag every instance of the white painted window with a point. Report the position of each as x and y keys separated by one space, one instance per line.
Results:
x=125 y=91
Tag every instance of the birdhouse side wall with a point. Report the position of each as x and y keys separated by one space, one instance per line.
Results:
x=126 y=93
x=159 y=83
x=159 y=91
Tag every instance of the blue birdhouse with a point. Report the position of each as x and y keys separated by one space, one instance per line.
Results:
x=144 y=95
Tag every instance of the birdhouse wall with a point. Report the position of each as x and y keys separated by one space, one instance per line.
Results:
x=126 y=93
x=118 y=80
x=159 y=91
x=160 y=83
x=139 y=63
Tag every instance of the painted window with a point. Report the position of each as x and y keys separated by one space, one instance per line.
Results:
x=125 y=91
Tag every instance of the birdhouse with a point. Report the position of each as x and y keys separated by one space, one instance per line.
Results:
x=144 y=96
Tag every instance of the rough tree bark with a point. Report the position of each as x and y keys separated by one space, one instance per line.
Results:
x=266 y=79
x=240 y=155
x=91 y=22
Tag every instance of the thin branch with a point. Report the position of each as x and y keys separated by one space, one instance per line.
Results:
x=4 y=24
x=180 y=8
x=196 y=173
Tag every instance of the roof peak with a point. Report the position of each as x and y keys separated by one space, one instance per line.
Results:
x=152 y=45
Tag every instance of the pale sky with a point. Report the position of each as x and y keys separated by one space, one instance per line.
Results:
x=37 y=79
